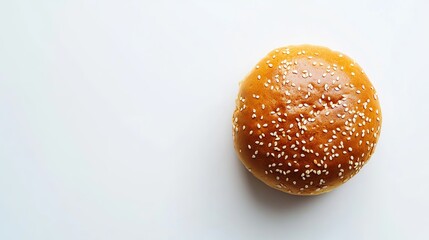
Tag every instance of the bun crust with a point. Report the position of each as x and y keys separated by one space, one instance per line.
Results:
x=307 y=119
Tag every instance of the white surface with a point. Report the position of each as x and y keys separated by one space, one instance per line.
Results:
x=115 y=119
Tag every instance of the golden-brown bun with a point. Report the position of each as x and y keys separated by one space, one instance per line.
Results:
x=306 y=120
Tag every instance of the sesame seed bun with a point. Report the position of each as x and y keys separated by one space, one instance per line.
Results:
x=307 y=119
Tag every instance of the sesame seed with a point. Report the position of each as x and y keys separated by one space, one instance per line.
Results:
x=326 y=87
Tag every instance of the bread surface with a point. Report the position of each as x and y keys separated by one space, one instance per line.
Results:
x=307 y=119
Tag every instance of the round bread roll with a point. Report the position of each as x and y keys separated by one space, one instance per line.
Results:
x=307 y=119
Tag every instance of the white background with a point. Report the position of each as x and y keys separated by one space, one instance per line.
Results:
x=115 y=119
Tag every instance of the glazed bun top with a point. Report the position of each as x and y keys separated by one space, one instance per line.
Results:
x=306 y=120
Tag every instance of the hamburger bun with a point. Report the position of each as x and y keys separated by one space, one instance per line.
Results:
x=307 y=119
